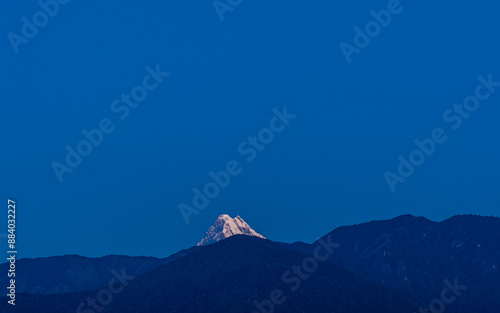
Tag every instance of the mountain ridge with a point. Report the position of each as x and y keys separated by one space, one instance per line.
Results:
x=411 y=257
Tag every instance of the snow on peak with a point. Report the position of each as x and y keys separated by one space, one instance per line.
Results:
x=225 y=227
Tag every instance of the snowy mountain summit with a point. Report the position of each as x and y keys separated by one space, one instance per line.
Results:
x=225 y=227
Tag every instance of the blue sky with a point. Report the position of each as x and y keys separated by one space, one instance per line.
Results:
x=325 y=169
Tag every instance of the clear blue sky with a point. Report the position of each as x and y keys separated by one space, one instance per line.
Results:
x=324 y=170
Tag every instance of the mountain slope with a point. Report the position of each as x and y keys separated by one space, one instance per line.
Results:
x=415 y=256
x=230 y=275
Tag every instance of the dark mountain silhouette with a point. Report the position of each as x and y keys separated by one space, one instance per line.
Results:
x=414 y=255
x=228 y=277
x=395 y=265
x=73 y=273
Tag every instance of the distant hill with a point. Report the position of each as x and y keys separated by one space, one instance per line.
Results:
x=73 y=273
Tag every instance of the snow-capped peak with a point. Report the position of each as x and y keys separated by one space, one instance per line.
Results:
x=225 y=227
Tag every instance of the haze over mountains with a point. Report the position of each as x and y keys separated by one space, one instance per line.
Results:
x=397 y=265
